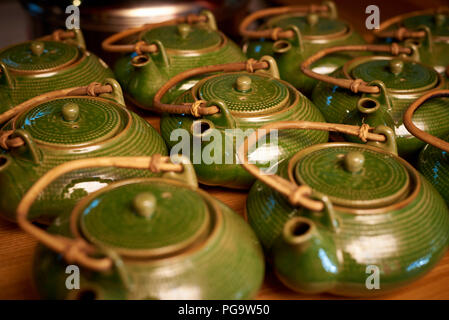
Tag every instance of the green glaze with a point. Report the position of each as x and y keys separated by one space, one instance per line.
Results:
x=266 y=99
x=397 y=92
x=434 y=47
x=311 y=37
x=101 y=127
x=36 y=67
x=191 y=247
x=180 y=49
x=329 y=251
x=433 y=163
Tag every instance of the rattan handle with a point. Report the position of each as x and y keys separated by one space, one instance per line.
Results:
x=356 y=85
x=93 y=89
x=298 y=195
x=59 y=35
x=424 y=136
x=403 y=33
x=78 y=250
x=141 y=46
x=199 y=108
x=279 y=33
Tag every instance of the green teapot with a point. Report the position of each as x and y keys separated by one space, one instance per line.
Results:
x=427 y=29
x=51 y=63
x=345 y=218
x=294 y=34
x=65 y=125
x=378 y=89
x=165 y=49
x=209 y=121
x=433 y=161
x=145 y=238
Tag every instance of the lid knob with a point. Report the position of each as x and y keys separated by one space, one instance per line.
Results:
x=184 y=30
x=312 y=19
x=145 y=204
x=354 y=161
x=70 y=112
x=37 y=48
x=243 y=83
x=439 y=19
x=396 y=66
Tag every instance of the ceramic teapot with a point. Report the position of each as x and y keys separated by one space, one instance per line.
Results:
x=165 y=49
x=145 y=238
x=208 y=122
x=66 y=125
x=51 y=63
x=337 y=212
x=378 y=89
x=427 y=29
x=294 y=33
x=433 y=161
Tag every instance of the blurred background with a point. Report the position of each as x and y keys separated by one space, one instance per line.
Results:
x=21 y=20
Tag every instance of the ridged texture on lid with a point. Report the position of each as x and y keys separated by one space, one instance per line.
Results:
x=382 y=181
x=265 y=94
x=55 y=55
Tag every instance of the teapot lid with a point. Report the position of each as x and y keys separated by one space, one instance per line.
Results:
x=437 y=23
x=352 y=175
x=312 y=25
x=399 y=75
x=73 y=121
x=39 y=56
x=244 y=93
x=142 y=217
x=184 y=37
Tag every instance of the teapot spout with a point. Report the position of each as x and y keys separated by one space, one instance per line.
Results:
x=304 y=258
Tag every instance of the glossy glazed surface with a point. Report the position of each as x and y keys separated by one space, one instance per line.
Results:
x=327 y=33
x=175 y=56
x=269 y=100
x=69 y=66
x=340 y=105
x=227 y=263
x=323 y=252
x=104 y=128
x=433 y=163
x=434 y=47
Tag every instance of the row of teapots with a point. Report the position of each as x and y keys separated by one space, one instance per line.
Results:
x=73 y=123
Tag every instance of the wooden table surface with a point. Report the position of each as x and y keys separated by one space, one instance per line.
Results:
x=16 y=248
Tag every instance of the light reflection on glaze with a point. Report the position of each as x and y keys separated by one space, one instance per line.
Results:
x=86 y=186
x=326 y=262
x=365 y=249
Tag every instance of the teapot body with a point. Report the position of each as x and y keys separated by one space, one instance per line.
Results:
x=289 y=61
x=141 y=79
x=228 y=264
x=340 y=258
x=213 y=153
x=17 y=86
x=340 y=105
x=433 y=40
x=434 y=165
x=22 y=166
